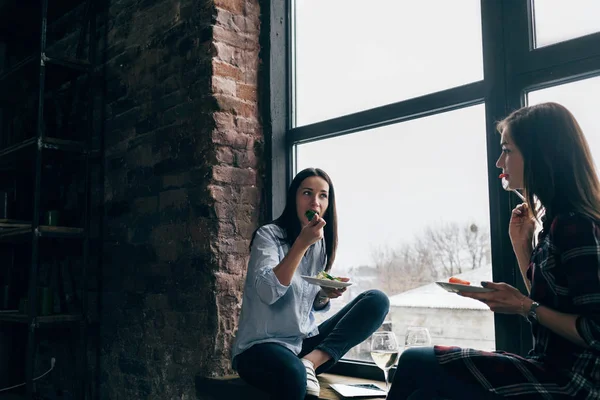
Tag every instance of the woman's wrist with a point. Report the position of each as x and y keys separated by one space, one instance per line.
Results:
x=321 y=301
x=299 y=246
x=522 y=249
x=526 y=303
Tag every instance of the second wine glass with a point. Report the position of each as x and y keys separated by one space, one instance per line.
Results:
x=417 y=336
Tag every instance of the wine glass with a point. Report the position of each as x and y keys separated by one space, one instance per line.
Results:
x=417 y=336
x=384 y=351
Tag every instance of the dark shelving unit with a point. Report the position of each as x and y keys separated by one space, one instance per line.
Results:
x=26 y=24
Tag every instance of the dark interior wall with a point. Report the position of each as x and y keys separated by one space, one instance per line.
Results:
x=182 y=182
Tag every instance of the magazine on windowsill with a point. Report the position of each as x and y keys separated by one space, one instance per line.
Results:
x=360 y=390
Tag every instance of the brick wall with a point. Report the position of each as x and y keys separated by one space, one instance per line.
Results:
x=183 y=145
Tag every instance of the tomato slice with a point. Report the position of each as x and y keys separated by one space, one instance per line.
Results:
x=459 y=281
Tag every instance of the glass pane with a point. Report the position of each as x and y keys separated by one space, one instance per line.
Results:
x=559 y=20
x=582 y=98
x=413 y=208
x=351 y=57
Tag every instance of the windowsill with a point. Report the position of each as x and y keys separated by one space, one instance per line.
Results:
x=233 y=387
x=359 y=369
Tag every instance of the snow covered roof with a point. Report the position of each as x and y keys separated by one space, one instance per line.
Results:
x=433 y=296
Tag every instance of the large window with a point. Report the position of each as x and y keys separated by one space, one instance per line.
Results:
x=352 y=55
x=398 y=102
x=413 y=208
x=559 y=20
x=582 y=98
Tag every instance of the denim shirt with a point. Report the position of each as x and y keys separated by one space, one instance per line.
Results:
x=272 y=312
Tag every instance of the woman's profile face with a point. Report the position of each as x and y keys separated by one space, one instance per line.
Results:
x=511 y=162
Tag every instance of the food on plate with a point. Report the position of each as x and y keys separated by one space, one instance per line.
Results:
x=325 y=275
x=310 y=214
x=454 y=279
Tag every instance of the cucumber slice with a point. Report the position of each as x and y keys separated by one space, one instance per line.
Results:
x=310 y=214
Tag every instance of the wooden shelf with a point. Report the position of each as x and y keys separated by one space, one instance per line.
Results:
x=60 y=231
x=59 y=70
x=47 y=143
x=42 y=319
x=20 y=230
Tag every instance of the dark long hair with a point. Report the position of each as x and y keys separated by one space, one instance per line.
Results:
x=289 y=222
x=558 y=166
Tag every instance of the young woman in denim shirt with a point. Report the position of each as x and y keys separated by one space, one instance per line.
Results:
x=279 y=347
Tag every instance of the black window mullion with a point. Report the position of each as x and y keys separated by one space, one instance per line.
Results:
x=516 y=33
x=418 y=107
x=277 y=76
x=561 y=53
x=564 y=73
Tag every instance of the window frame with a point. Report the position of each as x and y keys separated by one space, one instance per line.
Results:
x=512 y=66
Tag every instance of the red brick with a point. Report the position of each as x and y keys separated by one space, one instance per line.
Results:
x=224 y=86
x=227 y=283
x=227 y=71
x=250 y=126
x=220 y=194
x=250 y=195
x=224 y=120
x=200 y=229
x=235 y=105
x=227 y=174
x=246 y=24
x=146 y=205
x=233 y=138
x=177 y=232
x=233 y=246
x=253 y=8
x=177 y=198
x=225 y=19
x=231 y=209
x=246 y=92
x=234 y=264
x=227 y=54
x=236 y=39
x=235 y=6
x=245 y=159
x=226 y=229
x=175 y=181
x=226 y=210
x=251 y=73
x=245 y=228
x=224 y=155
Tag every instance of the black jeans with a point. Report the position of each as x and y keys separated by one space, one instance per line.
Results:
x=279 y=372
x=419 y=376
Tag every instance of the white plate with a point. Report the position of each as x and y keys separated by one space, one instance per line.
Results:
x=457 y=287
x=325 y=282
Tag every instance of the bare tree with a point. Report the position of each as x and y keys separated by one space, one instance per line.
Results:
x=446 y=250
x=401 y=269
x=477 y=241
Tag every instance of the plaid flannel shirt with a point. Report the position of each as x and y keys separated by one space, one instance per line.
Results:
x=564 y=271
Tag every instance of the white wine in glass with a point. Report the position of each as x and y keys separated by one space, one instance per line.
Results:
x=384 y=351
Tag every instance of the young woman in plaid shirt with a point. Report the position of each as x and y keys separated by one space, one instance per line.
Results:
x=544 y=152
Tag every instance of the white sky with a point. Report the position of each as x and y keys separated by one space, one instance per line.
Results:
x=394 y=181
